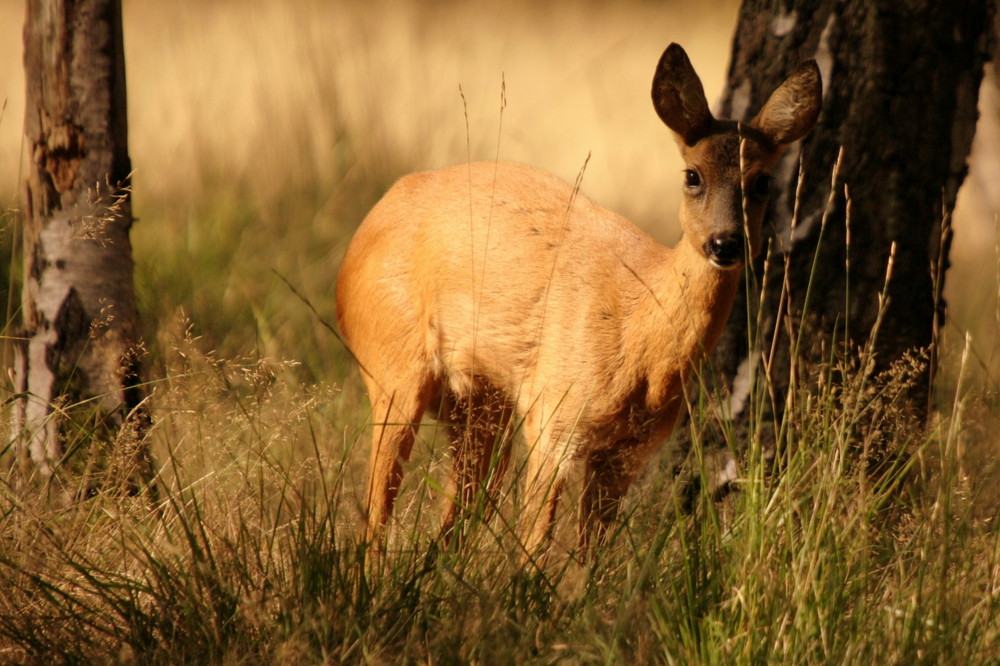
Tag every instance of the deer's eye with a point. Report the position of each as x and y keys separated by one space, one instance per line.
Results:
x=760 y=186
x=691 y=179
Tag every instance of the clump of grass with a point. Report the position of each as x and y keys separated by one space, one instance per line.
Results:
x=253 y=553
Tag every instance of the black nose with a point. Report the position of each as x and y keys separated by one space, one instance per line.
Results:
x=724 y=250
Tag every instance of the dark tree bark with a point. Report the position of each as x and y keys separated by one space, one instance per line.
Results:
x=901 y=81
x=79 y=361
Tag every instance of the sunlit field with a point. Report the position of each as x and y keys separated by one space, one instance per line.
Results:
x=260 y=134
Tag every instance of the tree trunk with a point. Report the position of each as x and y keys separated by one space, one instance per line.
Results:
x=900 y=86
x=78 y=366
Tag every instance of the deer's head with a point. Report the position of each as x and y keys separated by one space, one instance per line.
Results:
x=727 y=162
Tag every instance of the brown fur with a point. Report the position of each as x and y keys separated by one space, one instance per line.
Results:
x=489 y=291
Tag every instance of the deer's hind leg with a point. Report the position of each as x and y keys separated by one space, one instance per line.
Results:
x=480 y=429
x=396 y=414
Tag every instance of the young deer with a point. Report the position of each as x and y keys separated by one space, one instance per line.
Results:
x=495 y=296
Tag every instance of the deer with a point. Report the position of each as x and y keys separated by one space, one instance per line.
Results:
x=496 y=298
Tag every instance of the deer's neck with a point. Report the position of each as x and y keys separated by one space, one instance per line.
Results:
x=679 y=318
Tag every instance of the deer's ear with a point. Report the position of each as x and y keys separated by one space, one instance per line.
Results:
x=792 y=109
x=678 y=96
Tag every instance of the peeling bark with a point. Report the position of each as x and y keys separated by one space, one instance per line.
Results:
x=81 y=346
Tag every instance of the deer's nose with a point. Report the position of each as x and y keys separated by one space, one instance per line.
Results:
x=724 y=250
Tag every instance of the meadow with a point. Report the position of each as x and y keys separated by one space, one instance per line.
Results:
x=260 y=133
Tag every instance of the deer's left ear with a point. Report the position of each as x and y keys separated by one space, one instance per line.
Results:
x=792 y=110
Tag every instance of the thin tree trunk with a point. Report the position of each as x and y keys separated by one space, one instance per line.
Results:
x=78 y=366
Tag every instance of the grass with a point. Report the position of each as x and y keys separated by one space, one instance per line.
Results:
x=255 y=160
x=253 y=557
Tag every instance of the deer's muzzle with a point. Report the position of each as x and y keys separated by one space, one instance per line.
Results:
x=724 y=250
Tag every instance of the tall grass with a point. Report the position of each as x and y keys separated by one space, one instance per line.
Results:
x=261 y=133
x=253 y=555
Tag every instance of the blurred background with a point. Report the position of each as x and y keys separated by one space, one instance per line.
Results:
x=261 y=132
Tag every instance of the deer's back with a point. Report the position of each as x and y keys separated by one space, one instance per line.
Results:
x=493 y=269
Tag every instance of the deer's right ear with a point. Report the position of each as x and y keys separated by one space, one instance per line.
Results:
x=678 y=96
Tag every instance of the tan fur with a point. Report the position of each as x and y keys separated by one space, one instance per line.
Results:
x=491 y=295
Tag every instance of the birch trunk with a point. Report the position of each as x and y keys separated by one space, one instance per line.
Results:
x=78 y=365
